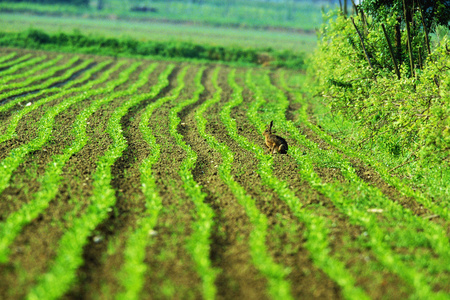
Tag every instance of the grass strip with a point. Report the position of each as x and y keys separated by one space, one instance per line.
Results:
x=317 y=232
x=279 y=287
x=20 y=66
x=357 y=213
x=199 y=242
x=50 y=182
x=68 y=258
x=132 y=274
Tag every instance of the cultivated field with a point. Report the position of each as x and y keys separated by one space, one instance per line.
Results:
x=127 y=178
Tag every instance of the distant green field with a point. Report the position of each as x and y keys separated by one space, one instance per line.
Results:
x=303 y=15
x=162 y=31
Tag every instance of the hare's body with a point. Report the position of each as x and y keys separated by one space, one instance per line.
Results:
x=275 y=143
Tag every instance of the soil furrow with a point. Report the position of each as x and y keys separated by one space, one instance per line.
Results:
x=171 y=271
x=34 y=255
x=229 y=241
x=286 y=233
x=394 y=282
x=100 y=272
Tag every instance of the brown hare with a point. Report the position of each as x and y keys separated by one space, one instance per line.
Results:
x=275 y=143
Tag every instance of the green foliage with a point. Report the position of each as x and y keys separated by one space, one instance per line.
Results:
x=51 y=180
x=64 y=2
x=302 y=15
x=77 y=42
x=436 y=12
x=317 y=233
x=366 y=197
x=406 y=115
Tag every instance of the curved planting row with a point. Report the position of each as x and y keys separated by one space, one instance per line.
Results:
x=11 y=63
x=22 y=87
x=162 y=187
x=317 y=232
x=7 y=57
x=199 y=241
x=370 y=197
x=15 y=119
x=17 y=155
x=51 y=179
x=134 y=268
x=22 y=65
x=279 y=287
x=68 y=259
x=442 y=210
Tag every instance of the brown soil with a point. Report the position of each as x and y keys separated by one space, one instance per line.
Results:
x=171 y=271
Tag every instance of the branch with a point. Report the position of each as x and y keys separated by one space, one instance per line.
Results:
x=405 y=163
x=391 y=51
x=362 y=43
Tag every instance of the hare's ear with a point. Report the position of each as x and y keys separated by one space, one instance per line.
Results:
x=271 y=124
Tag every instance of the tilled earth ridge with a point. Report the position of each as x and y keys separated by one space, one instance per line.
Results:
x=171 y=271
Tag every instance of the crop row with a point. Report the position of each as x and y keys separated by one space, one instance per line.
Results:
x=134 y=268
x=367 y=198
x=413 y=248
x=58 y=93
x=13 y=62
x=12 y=226
x=17 y=155
x=24 y=86
x=199 y=241
x=23 y=65
x=6 y=57
x=317 y=232
x=279 y=287
x=69 y=253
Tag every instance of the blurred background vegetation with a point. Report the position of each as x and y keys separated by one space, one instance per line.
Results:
x=276 y=33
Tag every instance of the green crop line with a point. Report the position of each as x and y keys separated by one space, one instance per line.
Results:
x=434 y=233
x=279 y=287
x=134 y=267
x=199 y=241
x=62 y=273
x=7 y=57
x=357 y=212
x=5 y=106
x=317 y=233
x=20 y=66
x=51 y=179
x=25 y=86
x=59 y=91
x=443 y=211
x=18 y=60
x=17 y=155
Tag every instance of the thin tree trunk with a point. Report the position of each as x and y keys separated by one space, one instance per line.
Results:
x=408 y=32
x=362 y=43
x=391 y=51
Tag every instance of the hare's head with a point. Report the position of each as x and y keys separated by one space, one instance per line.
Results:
x=268 y=130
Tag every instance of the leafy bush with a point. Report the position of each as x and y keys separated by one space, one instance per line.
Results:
x=408 y=113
